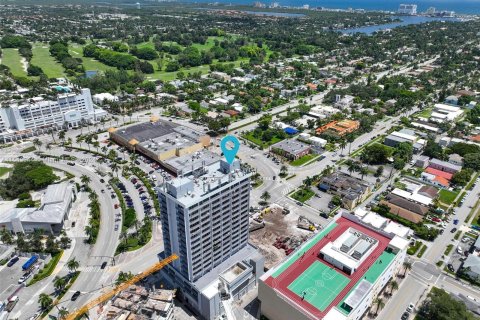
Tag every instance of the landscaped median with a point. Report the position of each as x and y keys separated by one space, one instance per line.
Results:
x=47 y=269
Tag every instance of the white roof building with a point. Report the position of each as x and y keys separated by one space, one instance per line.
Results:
x=54 y=209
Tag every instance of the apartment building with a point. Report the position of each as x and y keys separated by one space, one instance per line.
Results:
x=20 y=119
x=336 y=274
x=205 y=221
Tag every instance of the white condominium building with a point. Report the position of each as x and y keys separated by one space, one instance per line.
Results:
x=407 y=9
x=205 y=221
x=36 y=114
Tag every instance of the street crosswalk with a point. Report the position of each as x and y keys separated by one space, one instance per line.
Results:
x=92 y=269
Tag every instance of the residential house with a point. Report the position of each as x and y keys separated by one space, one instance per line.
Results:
x=422 y=162
x=351 y=190
x=471 y=265
x=455 y=159
x=340 y=128
x=404 y=208
x=444 y=166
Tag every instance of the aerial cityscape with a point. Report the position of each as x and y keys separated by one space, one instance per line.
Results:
x=239 y=160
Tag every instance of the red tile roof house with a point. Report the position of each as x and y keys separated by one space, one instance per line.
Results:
x=231 y=113
x=439 y=173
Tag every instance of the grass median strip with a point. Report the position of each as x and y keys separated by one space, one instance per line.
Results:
x=47 y=270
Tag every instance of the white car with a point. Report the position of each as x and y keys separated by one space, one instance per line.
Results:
x=411 y=307
x=24 y=278
x=459 y=250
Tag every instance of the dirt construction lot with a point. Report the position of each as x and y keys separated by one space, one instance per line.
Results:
x=278 y=225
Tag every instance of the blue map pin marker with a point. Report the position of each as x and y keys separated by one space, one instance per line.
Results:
x=230 y=153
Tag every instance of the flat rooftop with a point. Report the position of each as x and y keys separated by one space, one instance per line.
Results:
x=146 y=130
x=188 y=163
x=316 y=286
x=189 y=189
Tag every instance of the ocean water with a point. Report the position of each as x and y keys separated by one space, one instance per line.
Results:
x=459 y=6
x=406 y=20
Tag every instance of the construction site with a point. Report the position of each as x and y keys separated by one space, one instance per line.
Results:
x=138 y=303
x=277 y=232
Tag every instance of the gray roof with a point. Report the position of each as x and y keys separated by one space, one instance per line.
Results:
x=246 y=253
x=146 y=130
x=396 y=138
x=472 y=262
x=357 y=295
x=445 y=164
x=291 y=146
x=52 y=211
x=191 y=162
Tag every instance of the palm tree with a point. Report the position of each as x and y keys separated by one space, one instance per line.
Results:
x=92 y=196
x=61 y=136
x=283 y=170
x=104 y=149
x=45 y=301
x=406 y=266
x=380 y=304
x=79 y=140
x=73 y=265
x=363 y=171
x=89 y=232
x=351 y=166
x=350 y=139
x=136 y=224
x=265 y=196
x=393 y=286
x=96 y=144
x=63 y=313
x=88 y=140
x=37 y=143
x=133 y=157
x=114 y=168
x=343 y=144
x=48 y=146
x=124 y=236
x=85 y=179
x=53 y=136
x=59 y=283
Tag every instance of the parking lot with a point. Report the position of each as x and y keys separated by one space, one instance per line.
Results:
x=460 y=252
x=10 y=277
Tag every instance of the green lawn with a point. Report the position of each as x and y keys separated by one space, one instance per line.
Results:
x=302 y=195
x=12 y=59
x=4 y=171
x=42 y=58
x=303 y=160
x=29 y=149
x=89 y=63
x=447 y=196
x=263 y=144
x=425 y=113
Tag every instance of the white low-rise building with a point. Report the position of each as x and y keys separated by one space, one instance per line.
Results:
x=54 y=209
x=445 y=113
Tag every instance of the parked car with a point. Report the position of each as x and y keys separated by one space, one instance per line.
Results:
x=104 y=265
x=453 y=230
x=411 y=307
x=12 y=261
x=450 y=267
x=405 y=315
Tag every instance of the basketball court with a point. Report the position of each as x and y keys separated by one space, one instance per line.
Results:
x=319 y=285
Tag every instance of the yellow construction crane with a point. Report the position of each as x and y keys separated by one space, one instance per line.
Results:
x=108 y=295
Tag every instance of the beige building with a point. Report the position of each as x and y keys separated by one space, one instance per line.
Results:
x=160 y=140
